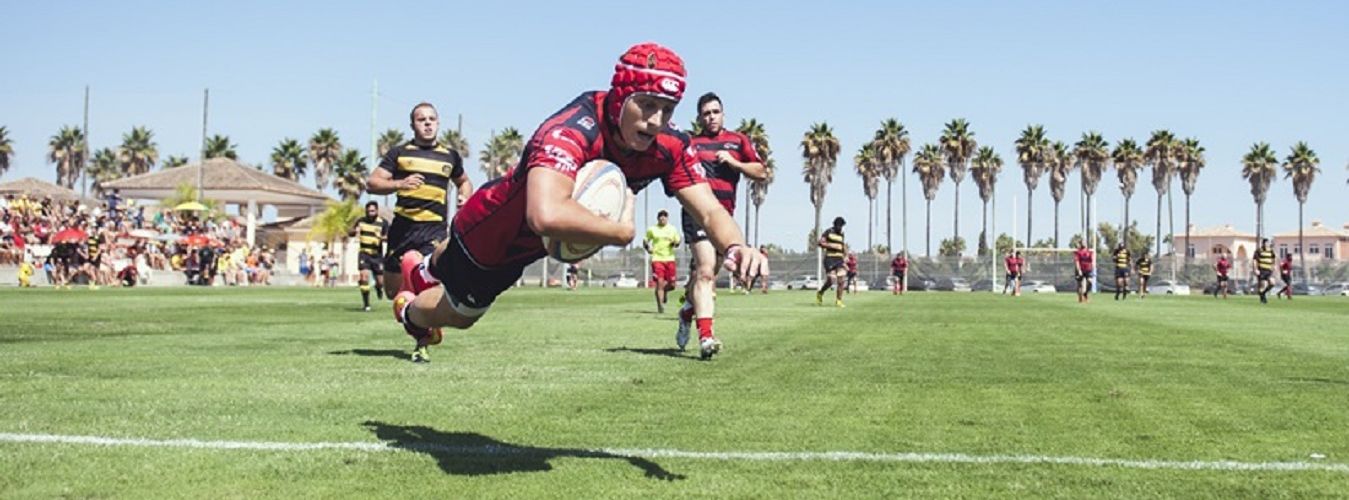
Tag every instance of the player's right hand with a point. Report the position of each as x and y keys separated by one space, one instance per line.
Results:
x=413 y=181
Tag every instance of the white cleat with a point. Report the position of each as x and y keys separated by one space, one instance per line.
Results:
x=708 y=347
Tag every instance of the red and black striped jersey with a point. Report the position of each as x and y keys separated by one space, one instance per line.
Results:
x=491 y=225
x=723 y=178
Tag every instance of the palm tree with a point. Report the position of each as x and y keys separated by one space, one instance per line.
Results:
x=1160 y=156
x=104 y=167
x=454 y=141
x=930 y=165
x=819 y=148
x=335 y=221
x=66 y=151
x=324 y=148
x=138 y=153
x=1093 y=156
x=173 y=161
x=1259 y=167
x=758 y=137
x=1191 y=161
x=501 y=152
x=892 y=145
x=957 y=141
x=984 y=170
x=759 y=191
x=349 y=173
x=390 y=139
x=1301 y=166
x=1060 y=165
x=289 y=159
x=1032 y=149
x=1128 y=158
x=695 y=127
x=219 y=146
x=865 y=162
x=6 y=150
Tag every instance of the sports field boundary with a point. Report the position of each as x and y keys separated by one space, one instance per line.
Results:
x=749 y=456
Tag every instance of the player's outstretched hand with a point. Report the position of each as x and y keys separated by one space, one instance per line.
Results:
x=744 y=262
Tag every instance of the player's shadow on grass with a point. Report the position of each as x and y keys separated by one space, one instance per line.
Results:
x=668 y=352
x=473 y=454
x=376 y=353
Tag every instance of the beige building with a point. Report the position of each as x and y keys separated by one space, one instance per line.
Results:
x=1323 y=243
x=1207 y=243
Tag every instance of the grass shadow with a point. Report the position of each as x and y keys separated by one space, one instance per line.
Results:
x=375 y=353
x=669 y=352
x=1318 y=380
x=473 y=454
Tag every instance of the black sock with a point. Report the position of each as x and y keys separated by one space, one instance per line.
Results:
x=365 y=295
x=379 y=292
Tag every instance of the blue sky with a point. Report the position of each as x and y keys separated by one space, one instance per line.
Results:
x=1228 y=73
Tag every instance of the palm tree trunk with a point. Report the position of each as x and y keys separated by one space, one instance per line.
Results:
x=756 y=225
x=983 y=228
x=1029 y=207
x=871 y=217
x=929 y=229
x=1171 y=223
x=1159 y=225
x=1126 y=221
x=819 y=257
x=904 y=206
x=1187 y=228
x=747 y=205
x=1301 y=250
x=1056 y=223
x=955 y=228
x=889 y=243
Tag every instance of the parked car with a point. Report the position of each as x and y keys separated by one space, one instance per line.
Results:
x=777 y=285
x=1301 y=288
x=621 y=280
x=953 y=285
x=804 y=282
x=1168 y=287
x=1338 y=289
x=861 y=285
x=1037 y=286
x=984 y=285
x=917 y=284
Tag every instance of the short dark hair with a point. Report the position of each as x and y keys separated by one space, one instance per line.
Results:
x=371 y=203
x=662 y=213
x=706 y=98
x=412 y=115
x=839 y=222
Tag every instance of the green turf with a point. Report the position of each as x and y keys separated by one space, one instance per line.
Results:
x=553 y=373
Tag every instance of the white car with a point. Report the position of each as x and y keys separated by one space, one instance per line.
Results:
x=1034 y=286
x=806 y=282
x=621 y=280
x=1338 y=290
x=1168 y=287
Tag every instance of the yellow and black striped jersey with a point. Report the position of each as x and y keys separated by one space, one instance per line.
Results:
x=1264 y=260
x=437 y=165
x=372 y=232
x=1122 y=258
x=1145 y=265
x=834 y=245
x=94 y=245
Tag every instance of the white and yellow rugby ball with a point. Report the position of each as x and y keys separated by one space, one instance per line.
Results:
x=601 y=188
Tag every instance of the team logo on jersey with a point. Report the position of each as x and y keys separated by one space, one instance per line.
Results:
x=586 y=122
x=565 y=162
x=445 y=170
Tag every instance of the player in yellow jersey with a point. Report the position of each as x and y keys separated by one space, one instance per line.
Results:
x=661 y=241
x=371 y=231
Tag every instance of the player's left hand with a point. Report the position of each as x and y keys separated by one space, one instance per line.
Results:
x=744 y=262
x=725 y=157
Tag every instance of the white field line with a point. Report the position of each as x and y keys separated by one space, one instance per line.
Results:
x=796 y=456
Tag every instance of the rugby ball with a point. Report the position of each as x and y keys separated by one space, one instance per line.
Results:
x=601 y=188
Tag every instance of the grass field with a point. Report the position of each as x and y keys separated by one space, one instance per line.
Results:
x=524 y=404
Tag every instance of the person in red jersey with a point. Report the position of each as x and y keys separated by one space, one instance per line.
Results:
x=1015 y=266
x=1086 y=269
x=851 y=265
x=898 y=268
x=1223 y=266
x=499 y=230
x=725 y=156
x=1286 y=274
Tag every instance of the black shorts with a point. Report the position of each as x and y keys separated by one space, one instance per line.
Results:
x=1222 y=278
x=406 y=236
x=832 y=264
x=1121 y=273
x=852 y=274
x=1286 y=277
x=1265 y=274
x=370 y=262
x=897 y=274
x=468 y=285
x=1083 y=275
x=693 y=232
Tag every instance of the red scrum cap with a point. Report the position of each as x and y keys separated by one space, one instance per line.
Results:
x=646 y=68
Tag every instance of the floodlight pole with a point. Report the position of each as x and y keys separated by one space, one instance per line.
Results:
x=84 y=157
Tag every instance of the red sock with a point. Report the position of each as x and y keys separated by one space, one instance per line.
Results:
x=704 y=328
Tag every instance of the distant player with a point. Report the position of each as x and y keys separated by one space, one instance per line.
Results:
x=1223 y=266
x=93 y=257
x=851 y=265
x=1286 y=274
x=1122 y=262
x=498 y=232
x=26 y=274
x=421 y=172
x=1084 y=271
x=371 y=230
x=1144 y=266
x=573 y=276
x=725 y=156
x=835 y=271
x=898 y=268
x=1264 y=267
x=1014 y=265
x=661 y=241
x=763 y=273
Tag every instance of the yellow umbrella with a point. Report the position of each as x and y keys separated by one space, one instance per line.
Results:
x=191 y=206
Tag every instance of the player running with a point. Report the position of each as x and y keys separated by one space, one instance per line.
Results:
x=1144 y=265
x=851 y=265
x=421 y=172
x=834 y=270
x=498 y=231
x=898 y=268
x=372 y=230
x=661 y=241
x=1264 y=266
x=1014 y=265
x=1122 y=263
x=1286 y=274
x=1085 y=269
x=1223 y=266
x=725 y=155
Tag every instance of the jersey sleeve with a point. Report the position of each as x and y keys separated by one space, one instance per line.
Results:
x=686 y=170
x=747 y=146
x=559 y=149
x=390 y=160
x=458 y=162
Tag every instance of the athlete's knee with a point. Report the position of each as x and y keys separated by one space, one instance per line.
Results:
x=706 y=276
